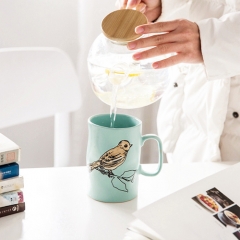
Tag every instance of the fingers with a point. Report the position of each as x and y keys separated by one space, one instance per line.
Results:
x=141 y=7
x=178 y=36
x=158 y=50
x=122 y=4
x=158 y=27
x=154 y=40
x=130 y=4
x=168 y=62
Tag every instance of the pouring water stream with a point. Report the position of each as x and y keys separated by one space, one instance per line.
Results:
x=119 y=77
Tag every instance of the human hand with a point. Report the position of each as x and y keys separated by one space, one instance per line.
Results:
x=180 y=37
x=151 y=8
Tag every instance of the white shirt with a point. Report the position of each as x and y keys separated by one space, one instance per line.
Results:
x=199 y=114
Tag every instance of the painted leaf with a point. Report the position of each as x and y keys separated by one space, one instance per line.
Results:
x=117 y=183
x=128 y=174
x=128 y=179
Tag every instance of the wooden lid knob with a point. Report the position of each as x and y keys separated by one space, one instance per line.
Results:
x=120 y=25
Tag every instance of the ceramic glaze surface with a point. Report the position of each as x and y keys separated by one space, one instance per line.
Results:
x=113 y=157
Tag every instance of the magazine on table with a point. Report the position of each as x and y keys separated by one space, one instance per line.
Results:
x=206 y=210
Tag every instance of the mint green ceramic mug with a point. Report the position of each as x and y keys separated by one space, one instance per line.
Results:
x=113 y=157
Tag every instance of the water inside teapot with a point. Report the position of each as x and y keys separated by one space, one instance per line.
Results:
x=121 y=82
x=120 y=76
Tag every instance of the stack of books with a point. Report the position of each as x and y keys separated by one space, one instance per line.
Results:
x=11 y=195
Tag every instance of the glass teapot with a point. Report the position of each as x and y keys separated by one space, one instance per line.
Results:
x=117 y=79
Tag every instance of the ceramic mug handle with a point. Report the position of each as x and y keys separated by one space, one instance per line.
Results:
x=160 y=158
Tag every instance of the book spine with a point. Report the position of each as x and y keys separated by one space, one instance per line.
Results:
x=9 y=170
x=9 y=156
x=11 y=184
x=11 y=198
x=9 y=210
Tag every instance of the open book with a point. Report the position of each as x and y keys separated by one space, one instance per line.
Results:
x=137 y=230
x=206 y=210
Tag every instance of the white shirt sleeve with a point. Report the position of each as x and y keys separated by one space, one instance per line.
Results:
x=220 y=44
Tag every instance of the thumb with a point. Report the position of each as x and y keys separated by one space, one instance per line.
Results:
x=132 y=4
x=141 y=7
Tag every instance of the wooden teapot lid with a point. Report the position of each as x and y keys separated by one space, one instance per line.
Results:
x=120 y=25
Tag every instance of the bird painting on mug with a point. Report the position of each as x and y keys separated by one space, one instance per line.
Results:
x=112 y=158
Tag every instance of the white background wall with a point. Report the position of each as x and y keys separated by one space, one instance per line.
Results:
x=71 y=26
x=50 y=23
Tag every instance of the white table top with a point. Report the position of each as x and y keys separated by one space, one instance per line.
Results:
x=58 y=208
